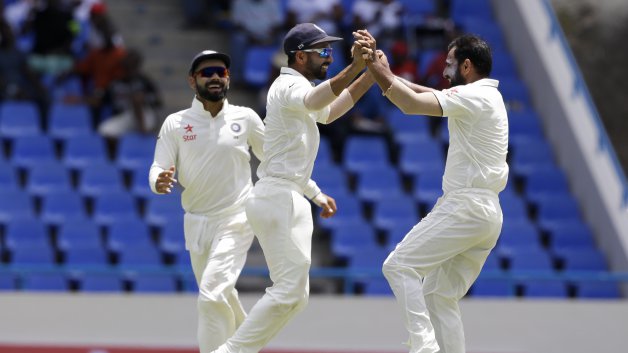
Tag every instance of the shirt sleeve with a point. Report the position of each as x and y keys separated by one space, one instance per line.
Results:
x=295 y=99
x=456 y=103
x=165 y=153
x=256 y=136
x=311 y=189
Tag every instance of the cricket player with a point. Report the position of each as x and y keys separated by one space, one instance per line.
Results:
x=207 y=146
x=278 y=208
x=436 y=263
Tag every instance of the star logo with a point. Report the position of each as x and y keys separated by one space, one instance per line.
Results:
x=188 y=128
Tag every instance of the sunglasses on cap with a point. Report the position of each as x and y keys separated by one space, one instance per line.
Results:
x=322 y=52
x=209 y=71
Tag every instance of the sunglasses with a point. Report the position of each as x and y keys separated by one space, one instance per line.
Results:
x=322 y=52
x=209 y=71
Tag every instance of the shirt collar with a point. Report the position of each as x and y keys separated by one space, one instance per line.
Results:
x=290 y=71
x=197 y=107
x=487 y=82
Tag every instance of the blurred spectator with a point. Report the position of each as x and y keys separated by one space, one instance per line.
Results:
x=16 y=13
x=17 y=80
x=134 y=99
x=54 y=28
x=201 y=14
x=265 y=30
x=327 y=14
x=382 y=18
x=100 y=22
x=402 y=63
x=100 y=67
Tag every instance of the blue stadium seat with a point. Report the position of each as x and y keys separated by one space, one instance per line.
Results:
x=395 y=234
x=127 y=233
x=365 y=152
x=585 y=259
x=530 y=260
x=38 y=255
x=325 y=155
x=391 y=211
x=60 y=207
x=570 y=234
x=8 y=175
x=330 y=178
x=597 y=290
x=114 y=206
x=544 y=288
x=171 y=237
x=99 y=179
x=139 y=255
x=503 y=64
x=154 y=283
x=349 y=211
x=45 y=282
x=101 y=282
x=518 y=234
x=408 y=128
x=349 y=239
x=492 y=287
x=555 y=209
x=428 y=187
x=84 y=150
x=369 y=258
x=29 y=151
x=512 y=89
x=19 y=118
x=493 y=262
x=524 y=124
x=479 y=9
x=258 y=61
x=135 y=150
x=418 y=7
x=47 y=178
x=81 y=257
x=514 y=208
x=79 y=234
x=139 y=182
x=546 y=181
x=26 y=234
x=421 y=155
x=7 y=281
x=15 y=204
x=376 y=183
x=161 y=209
x=530 y=156
x=67 y=120
x=377 y=286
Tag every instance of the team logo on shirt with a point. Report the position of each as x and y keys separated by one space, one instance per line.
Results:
x=188 y=130
x=235 y=127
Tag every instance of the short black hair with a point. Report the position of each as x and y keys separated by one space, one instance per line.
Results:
x=474 y=48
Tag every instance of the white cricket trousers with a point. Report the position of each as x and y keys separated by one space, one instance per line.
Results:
x=436 y=263
x=218 y=248
x=281 y=219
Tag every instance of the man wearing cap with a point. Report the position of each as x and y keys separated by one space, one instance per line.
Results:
x=207 y=146
x=278 y=208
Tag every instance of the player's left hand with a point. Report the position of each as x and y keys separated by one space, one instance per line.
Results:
x=327 y=203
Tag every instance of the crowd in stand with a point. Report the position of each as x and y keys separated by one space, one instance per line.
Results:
x=70 y=52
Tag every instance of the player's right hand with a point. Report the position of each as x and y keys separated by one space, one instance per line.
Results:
x=165 y=181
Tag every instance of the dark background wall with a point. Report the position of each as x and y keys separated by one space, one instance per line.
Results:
x=597 y=31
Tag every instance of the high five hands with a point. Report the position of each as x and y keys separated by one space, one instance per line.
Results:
x=366 y=46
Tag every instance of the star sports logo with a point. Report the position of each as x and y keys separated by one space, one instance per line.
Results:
x=188 y=130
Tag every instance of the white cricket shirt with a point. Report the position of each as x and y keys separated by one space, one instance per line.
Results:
x=292 y=137
x=211 y=156
x=478 y=136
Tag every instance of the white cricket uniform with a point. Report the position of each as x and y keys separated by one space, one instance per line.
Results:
x=279 y=213
x=433 y=267
x=211 y=156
